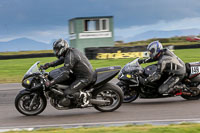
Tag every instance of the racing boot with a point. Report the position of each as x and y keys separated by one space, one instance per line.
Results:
x=80 y=96
x=71 y=93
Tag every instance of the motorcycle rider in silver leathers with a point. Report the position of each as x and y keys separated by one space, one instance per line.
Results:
x=74 y=61
x=169 y=63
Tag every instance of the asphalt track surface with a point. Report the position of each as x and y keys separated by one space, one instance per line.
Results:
x=142 y=110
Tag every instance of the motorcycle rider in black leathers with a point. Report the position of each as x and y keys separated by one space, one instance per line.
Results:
x=74 y=61
x=168 y=63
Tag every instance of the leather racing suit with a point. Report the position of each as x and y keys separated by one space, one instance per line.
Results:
x=169 y=63
x=78 y=63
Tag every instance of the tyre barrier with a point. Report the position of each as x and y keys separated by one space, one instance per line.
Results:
x=113 y=52
x=126 y=52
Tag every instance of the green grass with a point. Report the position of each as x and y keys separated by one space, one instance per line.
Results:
x=12 y=71
x=181 y=128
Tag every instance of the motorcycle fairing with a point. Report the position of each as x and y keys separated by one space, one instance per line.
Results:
x=194 y=70
x=26 y=83
x=106 y=74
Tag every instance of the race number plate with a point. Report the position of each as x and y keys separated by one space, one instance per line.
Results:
x=195 y=69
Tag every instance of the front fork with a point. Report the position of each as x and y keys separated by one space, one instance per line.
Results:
x=33 y=101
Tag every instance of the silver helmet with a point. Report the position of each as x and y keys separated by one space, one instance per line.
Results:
x=154 y=48
x=59 y=47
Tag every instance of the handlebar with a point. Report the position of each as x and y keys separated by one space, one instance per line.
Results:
x=41 y=69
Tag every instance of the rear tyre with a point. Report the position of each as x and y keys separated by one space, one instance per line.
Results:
x=191 y=97
x=110 y=92
x=196 y=94
x=24 y=100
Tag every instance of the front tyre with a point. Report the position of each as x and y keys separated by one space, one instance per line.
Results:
x=130 y=95
x=30 y=104
x=111 y=93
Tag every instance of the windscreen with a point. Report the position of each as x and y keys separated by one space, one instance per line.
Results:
x=131 y=66
x=33 y=69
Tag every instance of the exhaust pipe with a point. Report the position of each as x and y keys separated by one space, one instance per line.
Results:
x=99 y=102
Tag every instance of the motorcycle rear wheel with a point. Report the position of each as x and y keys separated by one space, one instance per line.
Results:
x=191 y=97
x=196 y=93
x=22 y=104
x=109 y=92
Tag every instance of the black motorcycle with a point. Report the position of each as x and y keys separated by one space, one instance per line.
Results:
x=132 y=88
x=100 y=94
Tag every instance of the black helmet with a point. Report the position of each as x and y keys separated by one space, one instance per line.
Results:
x=59 y=47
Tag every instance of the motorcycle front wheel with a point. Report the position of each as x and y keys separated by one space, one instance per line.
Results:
x=30 y=104
x=111 y=93
x=130 y=95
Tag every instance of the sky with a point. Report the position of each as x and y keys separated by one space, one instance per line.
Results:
x=47 y=20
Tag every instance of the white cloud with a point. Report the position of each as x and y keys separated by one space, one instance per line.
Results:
x=48 y=35
x=186 y=23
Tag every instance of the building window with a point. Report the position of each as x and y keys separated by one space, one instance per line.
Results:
x=91 y=25
x=104 y=24
x=71 y=25
x=96 y=25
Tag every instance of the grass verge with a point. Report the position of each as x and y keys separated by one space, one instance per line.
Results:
x=181 y=128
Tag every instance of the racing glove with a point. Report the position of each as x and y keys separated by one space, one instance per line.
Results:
x=140 y=61
x=45 y=66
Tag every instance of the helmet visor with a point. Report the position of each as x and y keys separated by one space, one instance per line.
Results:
x=56 y=50
x=151 y=53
